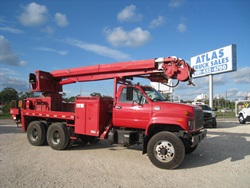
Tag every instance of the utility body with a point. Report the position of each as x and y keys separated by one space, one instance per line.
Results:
x=135 y=115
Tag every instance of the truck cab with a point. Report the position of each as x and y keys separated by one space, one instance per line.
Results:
x=244 y=115
x=142 y=106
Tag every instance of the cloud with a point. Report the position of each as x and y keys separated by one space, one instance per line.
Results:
x=217 y=80
x=45 y=49
x=176 y=3
x=48 y=29
x=61 y=20
x=128 y=14
x=189 y=92
x=7 y=71
x=233 y=93
x=157 y=22
x=38 y=15
x=33 y=15
x=98 y=49
x=11 y=30
x=181 y=27
x=7 y=56
x=237 y=79
x=9 y=78
x=2 y=19
x=119 y=37
x=242 y=95
x=241 y=75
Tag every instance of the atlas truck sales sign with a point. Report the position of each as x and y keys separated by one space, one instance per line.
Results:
x=214 y=62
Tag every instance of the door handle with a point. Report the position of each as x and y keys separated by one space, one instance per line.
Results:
x=118 y=107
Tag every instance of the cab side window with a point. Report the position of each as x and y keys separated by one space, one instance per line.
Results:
x=137 y=96
x=123 y=95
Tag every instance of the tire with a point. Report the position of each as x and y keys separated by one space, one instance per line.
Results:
x=71 y=142
x=214 y=124
x=58 y=136
x=166 y=150
x=189 y=149
x=241 y=119
x=46 y=125
x=36 y=133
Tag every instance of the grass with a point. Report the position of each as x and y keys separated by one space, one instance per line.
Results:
x=5 y=116
x=225 y=114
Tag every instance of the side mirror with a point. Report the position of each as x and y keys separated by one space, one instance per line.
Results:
x=129 y=94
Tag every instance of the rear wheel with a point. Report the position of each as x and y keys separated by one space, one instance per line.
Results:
x=71 y=142
x=241 y=119
x=36 y=133
x=58 y=136
x=166 y=150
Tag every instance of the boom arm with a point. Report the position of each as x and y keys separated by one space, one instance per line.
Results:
x=157 y=70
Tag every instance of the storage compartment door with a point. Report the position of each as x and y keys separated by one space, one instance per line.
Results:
x=92 y=118
x=80 y=116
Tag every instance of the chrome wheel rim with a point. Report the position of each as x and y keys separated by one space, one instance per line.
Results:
x=164 y=151
x=55 y=137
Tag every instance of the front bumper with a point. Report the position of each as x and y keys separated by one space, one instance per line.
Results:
x=197 y=138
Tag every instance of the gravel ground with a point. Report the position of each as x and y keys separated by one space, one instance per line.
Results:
x=221 y=160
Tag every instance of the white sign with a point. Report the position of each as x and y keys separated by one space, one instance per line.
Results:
x=161 y=87
x=79 y=105
x=215 y=62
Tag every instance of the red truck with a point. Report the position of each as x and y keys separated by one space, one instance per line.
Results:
x=135 y=115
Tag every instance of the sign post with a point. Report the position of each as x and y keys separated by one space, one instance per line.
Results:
x=214 y=62
x=211 y=91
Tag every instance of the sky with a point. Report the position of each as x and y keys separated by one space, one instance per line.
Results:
x=53 y=35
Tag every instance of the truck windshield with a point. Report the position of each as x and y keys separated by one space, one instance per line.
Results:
x=153 y=94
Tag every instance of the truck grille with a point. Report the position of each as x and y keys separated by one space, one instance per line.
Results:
x=207 y=115
x=198 y=115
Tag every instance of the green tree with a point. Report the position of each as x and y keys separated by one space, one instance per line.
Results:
x=107 y=96
x=6 y=108
x=72 y=99
x=95 y=94
x=25 y=95
x=7 y=95
x=66 y=99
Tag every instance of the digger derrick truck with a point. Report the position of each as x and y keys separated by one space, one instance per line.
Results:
x=135 y=115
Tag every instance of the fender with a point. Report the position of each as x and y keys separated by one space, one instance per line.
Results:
x=178 y=122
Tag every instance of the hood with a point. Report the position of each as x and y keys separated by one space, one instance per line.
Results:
x=173 y=109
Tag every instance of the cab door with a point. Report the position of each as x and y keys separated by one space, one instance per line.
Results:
x=132 y=113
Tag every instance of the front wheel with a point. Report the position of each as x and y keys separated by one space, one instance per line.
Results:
x=241 y=119
x=214 y=124
x=166 y=150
